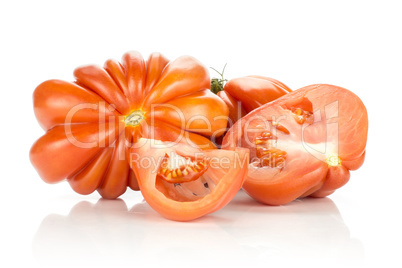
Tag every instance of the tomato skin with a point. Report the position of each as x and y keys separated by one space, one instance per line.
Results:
x=55 y=156
x=335 y=178
x=340 y=123
x=236 y=110
x=87 y=138
x=244 y=94
x=228 y=176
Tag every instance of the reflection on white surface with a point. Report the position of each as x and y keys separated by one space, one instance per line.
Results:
x=243 y=233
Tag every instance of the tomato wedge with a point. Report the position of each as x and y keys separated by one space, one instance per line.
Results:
x=90 y=123
x=182 y=182
x=302 y=144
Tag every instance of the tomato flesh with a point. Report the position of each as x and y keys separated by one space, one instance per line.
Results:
x=302 y=144
x=186 y=191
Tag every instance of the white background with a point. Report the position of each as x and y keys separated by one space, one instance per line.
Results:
x=353 y=44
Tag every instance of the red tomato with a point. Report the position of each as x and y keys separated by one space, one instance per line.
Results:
x=302 y=144
x=182 y=182
x=244 y=94
x=91 y=123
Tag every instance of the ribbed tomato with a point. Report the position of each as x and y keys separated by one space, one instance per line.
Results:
x=302 y=144
x=244 y=94
x=91 y=123
x=182 y=182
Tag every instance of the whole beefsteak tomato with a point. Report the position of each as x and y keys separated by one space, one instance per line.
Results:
x=90 y=123
x=302 y=144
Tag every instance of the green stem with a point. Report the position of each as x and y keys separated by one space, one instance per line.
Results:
x=217 y=84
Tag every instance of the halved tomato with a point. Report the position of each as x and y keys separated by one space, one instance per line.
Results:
x=302 y=144
x=182 y=182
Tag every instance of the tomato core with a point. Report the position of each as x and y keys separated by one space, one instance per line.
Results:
x=333 y=160
x=134 y=118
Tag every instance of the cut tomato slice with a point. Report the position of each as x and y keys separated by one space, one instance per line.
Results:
x=302 y=144
x=182 y=182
